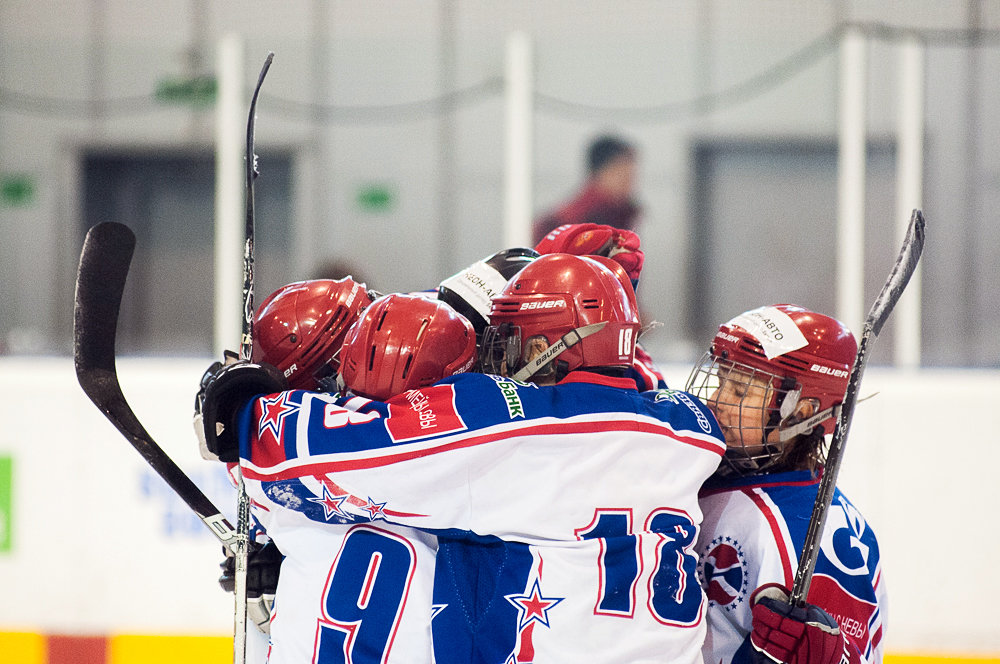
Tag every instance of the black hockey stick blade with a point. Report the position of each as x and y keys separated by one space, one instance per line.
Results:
x=906 y=264
x=104 y=263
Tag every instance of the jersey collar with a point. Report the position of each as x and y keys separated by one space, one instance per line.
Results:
x=764 y=480
x=584 y=376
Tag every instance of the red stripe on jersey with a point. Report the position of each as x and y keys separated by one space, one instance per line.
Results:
x=554 y=429
x=779 y=540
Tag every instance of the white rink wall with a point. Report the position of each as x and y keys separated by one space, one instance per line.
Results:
x=99 y=544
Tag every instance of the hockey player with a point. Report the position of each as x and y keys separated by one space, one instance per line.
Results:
x=339 y=597
x=775 y=378
x=299 y=329
x=565 y=500
x=621 y=246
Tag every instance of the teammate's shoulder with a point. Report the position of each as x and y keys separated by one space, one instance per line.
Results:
x=683 y=404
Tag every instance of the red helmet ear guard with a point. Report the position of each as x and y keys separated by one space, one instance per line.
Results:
x=576 y=304
x=300 y=327
x=403 y=342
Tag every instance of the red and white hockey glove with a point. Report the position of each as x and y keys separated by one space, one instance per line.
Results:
x=596 y=240
x=791 y=634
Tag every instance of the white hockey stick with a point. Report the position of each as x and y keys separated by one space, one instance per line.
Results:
x=906 y=263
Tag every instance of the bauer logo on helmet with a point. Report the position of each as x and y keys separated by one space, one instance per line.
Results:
x=543 y=304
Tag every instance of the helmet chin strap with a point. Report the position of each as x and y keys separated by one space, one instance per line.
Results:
x=806 y=425
x=568 y=340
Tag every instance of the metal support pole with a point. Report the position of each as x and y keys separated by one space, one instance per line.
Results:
x=229 y=194
x=909 y=191
x=851 y=157
x=517 y=148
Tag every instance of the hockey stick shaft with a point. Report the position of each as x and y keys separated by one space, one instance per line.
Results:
x=104 y=263
x=246 y=339
x=242 y=549
x=906 y=263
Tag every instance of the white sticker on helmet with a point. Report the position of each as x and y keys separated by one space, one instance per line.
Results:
x=477 y=285
x=774 y=329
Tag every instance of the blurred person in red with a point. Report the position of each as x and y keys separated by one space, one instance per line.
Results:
x=608 y=194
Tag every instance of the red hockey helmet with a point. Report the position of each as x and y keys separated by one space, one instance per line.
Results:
x=795 y=354
x=622 y=275
x=577 y=305
x=403 y=342
x=300 y=327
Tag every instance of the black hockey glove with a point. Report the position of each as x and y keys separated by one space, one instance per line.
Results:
x=263 y=565
x=224 y=390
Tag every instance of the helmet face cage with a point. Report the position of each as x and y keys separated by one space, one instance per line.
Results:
x=500 y=349
x=750 y=404
x=504 y=352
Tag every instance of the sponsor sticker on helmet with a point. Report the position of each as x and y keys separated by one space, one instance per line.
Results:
x=477 y=285
x=774 y=329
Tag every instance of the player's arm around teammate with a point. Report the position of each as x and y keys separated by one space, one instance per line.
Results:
x=607 y=566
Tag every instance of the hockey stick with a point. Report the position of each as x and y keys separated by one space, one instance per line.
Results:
x=242 y=548
x=906 y=263
x=246 y=340
x=100 y=282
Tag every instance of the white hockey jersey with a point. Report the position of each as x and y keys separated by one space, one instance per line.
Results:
x=753 y=532
x=565 y=519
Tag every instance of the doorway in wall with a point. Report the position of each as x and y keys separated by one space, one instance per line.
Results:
x=167 y=199
x=764 y=214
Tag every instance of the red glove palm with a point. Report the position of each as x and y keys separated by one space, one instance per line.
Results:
x=596 y=240
x=791 y=634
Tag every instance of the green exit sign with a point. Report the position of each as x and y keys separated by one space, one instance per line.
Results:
x=191 y=91
x=17 y=189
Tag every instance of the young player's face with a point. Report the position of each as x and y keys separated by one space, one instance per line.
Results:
x=739 y=404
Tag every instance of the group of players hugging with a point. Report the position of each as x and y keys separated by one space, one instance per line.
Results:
x=494 y=472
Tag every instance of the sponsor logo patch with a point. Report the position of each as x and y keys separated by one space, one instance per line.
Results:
x=423 y=413
x=722 y=571
x=679 y=397
x=508 y=389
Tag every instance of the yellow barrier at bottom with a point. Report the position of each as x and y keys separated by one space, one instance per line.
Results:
x=23 y=647
x=35 y=648
x=142 y=649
